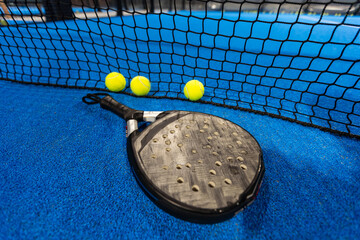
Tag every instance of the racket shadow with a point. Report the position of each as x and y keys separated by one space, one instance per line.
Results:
x=254 y=216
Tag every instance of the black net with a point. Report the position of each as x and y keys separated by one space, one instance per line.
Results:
x=295 y=59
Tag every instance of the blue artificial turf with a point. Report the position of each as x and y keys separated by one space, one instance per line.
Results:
x=64 y=174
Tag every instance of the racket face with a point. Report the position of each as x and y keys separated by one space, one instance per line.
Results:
x=196 y=166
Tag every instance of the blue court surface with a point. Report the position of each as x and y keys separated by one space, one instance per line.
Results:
x=64 y=174
x=64 y=171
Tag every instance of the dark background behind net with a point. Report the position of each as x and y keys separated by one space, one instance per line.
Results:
x=297 y=60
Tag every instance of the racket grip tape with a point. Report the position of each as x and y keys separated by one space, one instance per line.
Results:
x=121 y=110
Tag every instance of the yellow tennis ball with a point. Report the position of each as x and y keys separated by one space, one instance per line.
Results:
x=115 y=82
x=140 y=86
x=3 y=22
x=194 y=90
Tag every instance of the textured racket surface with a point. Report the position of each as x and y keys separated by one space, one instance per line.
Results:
x=199 y=161
x=196 y=166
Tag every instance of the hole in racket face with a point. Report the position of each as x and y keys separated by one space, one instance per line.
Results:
x=195 y=188
x=180 y=180
x=217 y=160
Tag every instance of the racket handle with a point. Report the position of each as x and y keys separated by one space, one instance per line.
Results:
x=121 y=110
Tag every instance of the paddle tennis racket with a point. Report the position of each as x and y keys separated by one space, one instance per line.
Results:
x=195 y=166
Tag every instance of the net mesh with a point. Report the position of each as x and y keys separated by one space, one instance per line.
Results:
x=297 y=59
